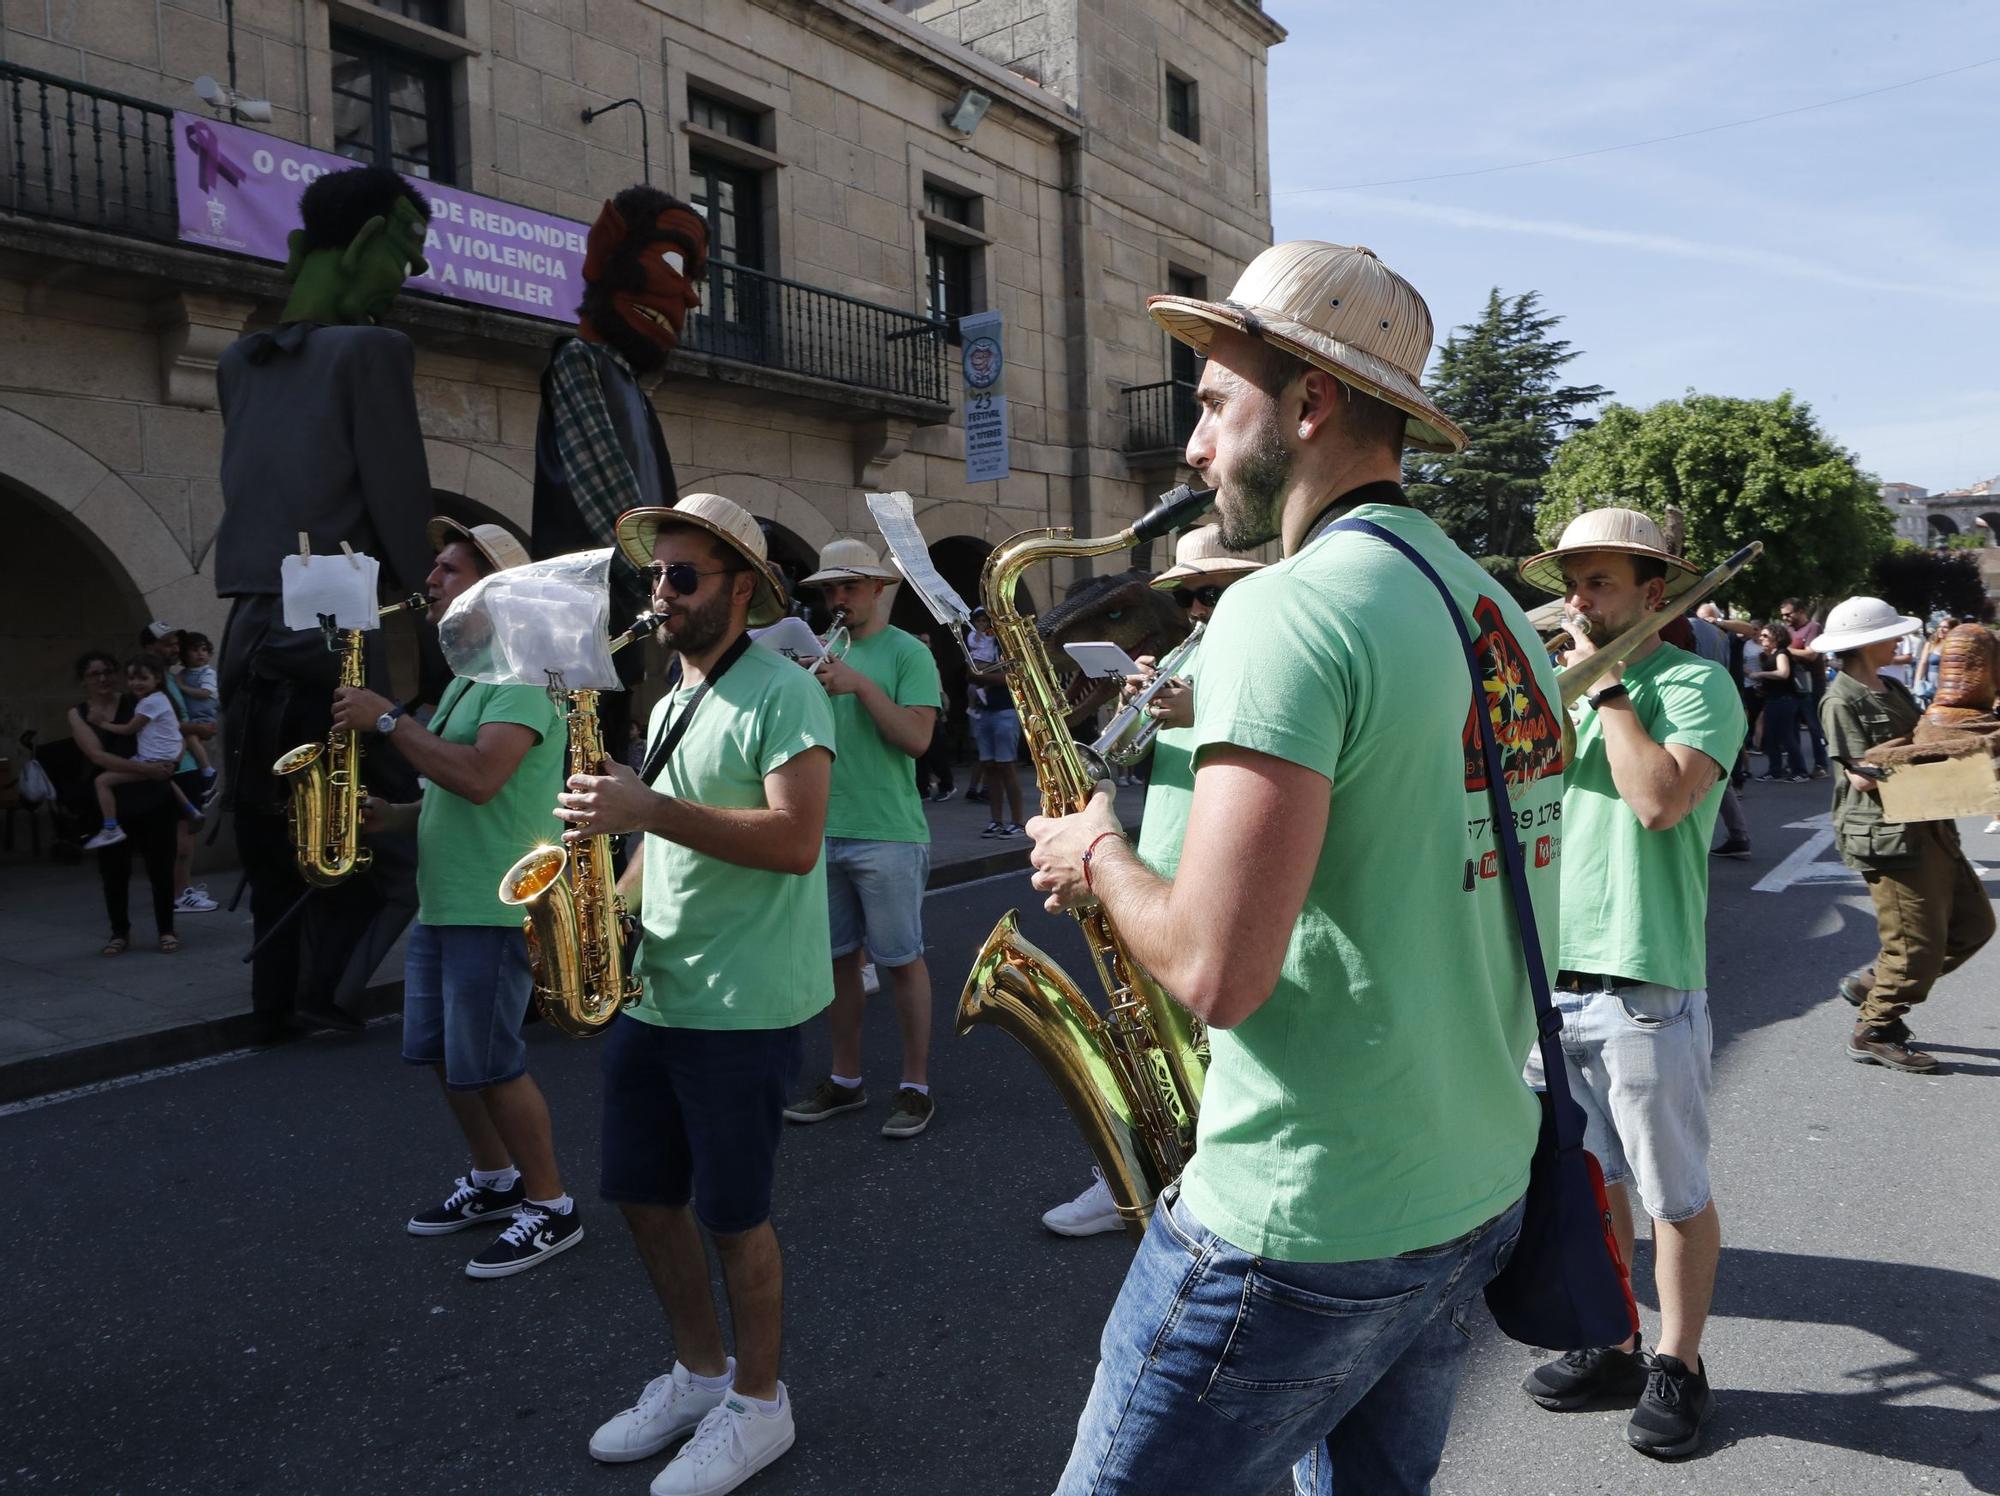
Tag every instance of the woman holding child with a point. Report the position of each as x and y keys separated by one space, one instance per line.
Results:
x=106 y=728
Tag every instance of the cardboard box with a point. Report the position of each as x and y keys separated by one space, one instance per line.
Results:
x=1942 y=788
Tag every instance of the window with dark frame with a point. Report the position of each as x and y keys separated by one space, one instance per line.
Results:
x=724 y=118
x=431 y=12
x=1183 y=106
x=391 y=108
x=941 y=203
x=1183 y=363
x=947 y=279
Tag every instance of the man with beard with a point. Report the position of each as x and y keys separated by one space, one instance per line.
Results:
x=1653 y=749
x=731 y=892
x=599 y=450
x=1365 y=1137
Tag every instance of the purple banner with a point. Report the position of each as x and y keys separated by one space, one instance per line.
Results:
x=239 y=190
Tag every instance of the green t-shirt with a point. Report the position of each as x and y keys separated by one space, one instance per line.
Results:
x=1374 y=1104
x=874 y=784
x=1635 y=902
x=464 y=850
x=726 y=946
x=1169 y=792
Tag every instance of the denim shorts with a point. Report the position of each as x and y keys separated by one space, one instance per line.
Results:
x=695 y=1115
x=875 y=895
x=997 y=735
x=1220 y=1371
x=1638 y=1062
x=465 y=992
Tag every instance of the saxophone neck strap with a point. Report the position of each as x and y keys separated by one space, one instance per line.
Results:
x=670 y=739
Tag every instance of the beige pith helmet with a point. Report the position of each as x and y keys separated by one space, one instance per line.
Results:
x=1199 y=555
x=496 y=544
x=1338 y=308
x=847 y=561
x=728 y=522
x=1624 y=530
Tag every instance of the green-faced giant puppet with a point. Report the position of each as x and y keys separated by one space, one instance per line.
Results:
x=320 y=437
x=599 y=450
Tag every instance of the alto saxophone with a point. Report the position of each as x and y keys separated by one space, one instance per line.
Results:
x=325 y=778
x=573 y=915
x=1131 y=1075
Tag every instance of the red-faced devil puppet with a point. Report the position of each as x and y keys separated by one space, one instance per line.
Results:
x=599 y=450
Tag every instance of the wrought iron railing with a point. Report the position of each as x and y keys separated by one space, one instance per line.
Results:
x=755 y=318
x=85 y=155
x=1159 y=417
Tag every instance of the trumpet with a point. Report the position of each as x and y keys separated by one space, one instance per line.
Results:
x=836 y=641
x=572 y=913
x=325 y=778
x=1129 y=736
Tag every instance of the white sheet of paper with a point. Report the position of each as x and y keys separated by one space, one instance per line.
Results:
x=344 y=587
x=897 y=518
x=791 y=637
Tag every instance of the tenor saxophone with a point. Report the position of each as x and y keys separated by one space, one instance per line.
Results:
x=1131 y=1075
x=325 y=778
x=572 y=913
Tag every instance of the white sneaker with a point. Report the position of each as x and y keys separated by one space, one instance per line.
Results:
x=1089 y=1214
x=108 y=836
x=871 y=980
x=194 y=899
x=1993 y=826
x=733 y=1443
x=668 y=1408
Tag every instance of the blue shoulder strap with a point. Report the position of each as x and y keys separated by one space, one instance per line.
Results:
x=1548 y=1023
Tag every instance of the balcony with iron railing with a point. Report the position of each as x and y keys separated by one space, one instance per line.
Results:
x=80 y=155
x=1159 y=418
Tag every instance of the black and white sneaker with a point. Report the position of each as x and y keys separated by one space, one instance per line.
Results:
x=468 y=1204
x=535 y=1235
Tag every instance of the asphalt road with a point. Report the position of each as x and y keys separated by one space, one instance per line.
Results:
x=207 y=1287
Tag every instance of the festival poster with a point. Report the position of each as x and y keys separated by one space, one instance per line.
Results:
x=985 y=365
x=238 y=190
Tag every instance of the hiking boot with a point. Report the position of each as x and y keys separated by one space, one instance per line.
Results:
x=535 y=1236
x=1667 y=1423
x=468 y=1204
x=910 y=1114
x=1856 y=984
x=1736 y=846
x=1883 y=1044
x=1578 y=1378
x=826 y=1100
x=1090 y=1213
x=671 y=1405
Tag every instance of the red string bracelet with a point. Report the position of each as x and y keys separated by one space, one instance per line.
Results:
x=1091 y=851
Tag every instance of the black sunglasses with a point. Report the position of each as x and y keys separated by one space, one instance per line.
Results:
x=1208 y=597
x=682 y=576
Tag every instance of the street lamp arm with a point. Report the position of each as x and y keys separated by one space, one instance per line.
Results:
x=645 y=135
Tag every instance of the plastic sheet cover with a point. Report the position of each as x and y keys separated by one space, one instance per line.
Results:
x=543 y=624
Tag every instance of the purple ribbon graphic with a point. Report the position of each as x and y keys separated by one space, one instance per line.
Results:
x=214 y=161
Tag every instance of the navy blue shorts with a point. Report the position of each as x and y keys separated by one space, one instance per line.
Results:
x=695 y=1115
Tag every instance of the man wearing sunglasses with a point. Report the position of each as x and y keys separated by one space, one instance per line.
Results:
x=1203 y=570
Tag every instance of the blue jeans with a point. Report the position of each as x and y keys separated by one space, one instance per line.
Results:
x=875 y=895
x=465 y=993
x=1220 y=1371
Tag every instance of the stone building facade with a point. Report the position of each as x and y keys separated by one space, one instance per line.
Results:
x=1121 y=150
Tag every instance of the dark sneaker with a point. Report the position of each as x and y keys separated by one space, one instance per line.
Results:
x=1578 y=1378
x=944 y=794
x=468 y=1204
x=1882 y=1044
x=1735 y=847
x=536 y=1234
x=1010 y=828
x=993 y=828
x=827 y=1100
x=1855 y=986
x=1667 y=1423
x=910 y=1114
x=1820 y=772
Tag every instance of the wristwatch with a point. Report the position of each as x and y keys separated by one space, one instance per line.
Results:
x=386 y=723
x=1610 y=693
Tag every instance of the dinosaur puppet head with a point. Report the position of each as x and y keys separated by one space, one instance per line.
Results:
x=1124 y=608
x=361 y=236
x=642 y=272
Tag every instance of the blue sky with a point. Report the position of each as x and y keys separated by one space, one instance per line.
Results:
x=1849 y=253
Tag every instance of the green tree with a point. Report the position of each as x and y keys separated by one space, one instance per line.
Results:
x=1739 y=470
x=1918 y=581
x=1501 y=379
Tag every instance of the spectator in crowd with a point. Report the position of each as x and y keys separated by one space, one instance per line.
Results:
x=146 y=809
x=1812 y=667
x=155 y=728
x=163 y=642
x=1927 y=661
x=1782 y=690
x=996 y=726
x=1711 y=642
x=204 y=701
x=935 y=780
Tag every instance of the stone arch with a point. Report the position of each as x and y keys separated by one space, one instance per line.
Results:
x=508 y=497
x=771 y=500
x=1989 y=524
x=1941 y=526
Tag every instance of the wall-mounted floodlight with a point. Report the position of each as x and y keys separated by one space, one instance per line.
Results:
x=965 y=115
x=227 y=101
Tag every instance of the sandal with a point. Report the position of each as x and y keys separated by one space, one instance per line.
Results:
x=115 y=946
x=169 y=944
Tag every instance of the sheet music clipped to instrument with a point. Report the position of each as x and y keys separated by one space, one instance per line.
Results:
x=897 y=518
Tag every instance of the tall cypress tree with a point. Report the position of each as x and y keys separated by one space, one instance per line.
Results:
x=1500 y=379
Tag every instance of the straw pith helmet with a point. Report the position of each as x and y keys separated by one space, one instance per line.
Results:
x=1340 y=309
x=728 y=522
x=1625 y=530
x=847 y=560
x=495 y=543
x=1200 y=553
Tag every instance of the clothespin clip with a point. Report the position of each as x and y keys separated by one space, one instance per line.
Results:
x=352 y=559
x=305 y=549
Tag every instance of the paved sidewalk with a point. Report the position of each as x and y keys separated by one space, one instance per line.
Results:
x=69 y=1016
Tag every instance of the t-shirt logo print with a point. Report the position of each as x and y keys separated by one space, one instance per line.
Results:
x=1528 y=732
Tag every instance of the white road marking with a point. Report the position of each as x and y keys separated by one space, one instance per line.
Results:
x=1803 y=865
